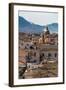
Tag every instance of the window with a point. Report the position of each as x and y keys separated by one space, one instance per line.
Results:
x=34 y=61
x=42 y=54
x=49 y=54
x=34 y=43
x=55 y=54
x=31 y=47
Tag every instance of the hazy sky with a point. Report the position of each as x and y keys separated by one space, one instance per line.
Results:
x=41 y=18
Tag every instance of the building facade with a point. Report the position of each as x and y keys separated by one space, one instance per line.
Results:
x=46 y=49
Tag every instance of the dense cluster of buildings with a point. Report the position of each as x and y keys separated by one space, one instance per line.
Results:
x=35 y=50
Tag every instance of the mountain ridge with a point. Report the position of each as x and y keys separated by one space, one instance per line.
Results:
x=29 y=27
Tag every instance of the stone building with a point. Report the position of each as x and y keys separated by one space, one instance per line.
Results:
x=49 y=52
x=33 y=56
x=45 y=49
x=48 y=38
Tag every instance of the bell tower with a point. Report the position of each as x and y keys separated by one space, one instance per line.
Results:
x=42 y=36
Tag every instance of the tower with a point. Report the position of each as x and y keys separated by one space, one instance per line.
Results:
x=46 y=31
x=42 y=36
x=45 y=36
